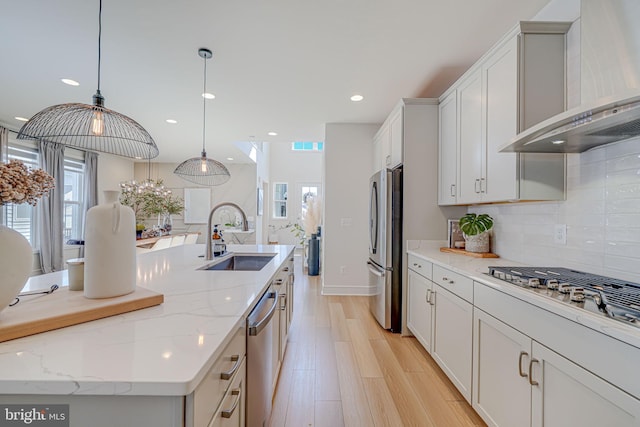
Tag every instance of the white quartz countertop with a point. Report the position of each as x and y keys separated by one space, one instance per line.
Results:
x=476 y=269
x=163 y=350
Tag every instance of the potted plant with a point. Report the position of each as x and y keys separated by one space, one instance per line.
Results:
x=475 y=229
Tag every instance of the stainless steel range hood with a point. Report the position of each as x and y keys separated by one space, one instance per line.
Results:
x=574 y=131
x=609 y=85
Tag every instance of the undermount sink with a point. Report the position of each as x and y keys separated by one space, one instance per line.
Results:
x=240 y=262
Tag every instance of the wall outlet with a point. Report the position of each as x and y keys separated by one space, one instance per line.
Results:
x=343 y=270
x=346 y=222
x=560 y=234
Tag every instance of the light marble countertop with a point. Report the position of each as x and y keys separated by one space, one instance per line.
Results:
x=476 y=269
x=164 y=350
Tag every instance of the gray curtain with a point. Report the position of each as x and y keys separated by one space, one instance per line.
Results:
x=4 y=143
x=90 y=184
x=51 y=209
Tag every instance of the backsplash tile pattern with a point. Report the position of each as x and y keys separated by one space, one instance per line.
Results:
x=602 y=214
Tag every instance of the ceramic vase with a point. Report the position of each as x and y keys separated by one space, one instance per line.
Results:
x=110 y=249
x=478 y=243
x=16 y=262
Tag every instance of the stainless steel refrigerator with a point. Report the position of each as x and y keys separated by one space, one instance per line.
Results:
x=385 y=247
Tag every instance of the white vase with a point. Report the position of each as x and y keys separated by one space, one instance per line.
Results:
x=16 y=262
x=110 y=249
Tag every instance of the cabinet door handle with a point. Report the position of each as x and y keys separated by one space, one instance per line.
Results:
x=483 y=185
x=429 y=296
x=522 y=374
x=283 y=307
x=432 y=300
x=452 y=190
x=531 y=362
x=476 y=186
x=227 y=375
x=227 y=413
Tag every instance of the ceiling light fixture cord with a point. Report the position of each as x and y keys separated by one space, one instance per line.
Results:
x=204 y=106
x=91 y=127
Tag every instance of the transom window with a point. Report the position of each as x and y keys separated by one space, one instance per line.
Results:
x=307 y=146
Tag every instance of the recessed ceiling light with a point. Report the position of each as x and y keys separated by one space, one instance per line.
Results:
x=558 y=142
x=272 y=133
x=208 y=95
x=70 y=82
x=22 y=119
x=172 y=121
x=229 y=158
x=357 y=98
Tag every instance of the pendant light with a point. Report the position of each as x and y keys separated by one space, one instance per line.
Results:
x=91 y=127
x=202 y=170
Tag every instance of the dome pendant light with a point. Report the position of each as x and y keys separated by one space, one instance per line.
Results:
x=202 y=170
x=91 y=127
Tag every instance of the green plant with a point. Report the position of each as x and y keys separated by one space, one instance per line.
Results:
x=472 y=224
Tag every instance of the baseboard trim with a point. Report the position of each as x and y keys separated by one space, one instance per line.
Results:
x=348 y=290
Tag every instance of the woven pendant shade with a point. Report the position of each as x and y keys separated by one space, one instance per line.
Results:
x=91 y=127
x=192 y=170
x=202 y=170
x=71 y=125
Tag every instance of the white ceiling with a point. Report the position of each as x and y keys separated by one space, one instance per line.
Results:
x=287 y=66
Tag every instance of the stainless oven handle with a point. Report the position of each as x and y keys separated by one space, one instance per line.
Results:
x=258 y=326
x=375 y=271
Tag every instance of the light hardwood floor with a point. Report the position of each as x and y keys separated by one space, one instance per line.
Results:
x=342 y=369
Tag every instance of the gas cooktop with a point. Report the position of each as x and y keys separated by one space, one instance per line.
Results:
x=617 y=299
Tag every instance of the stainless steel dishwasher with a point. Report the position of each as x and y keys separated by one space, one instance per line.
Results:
x=259 y=359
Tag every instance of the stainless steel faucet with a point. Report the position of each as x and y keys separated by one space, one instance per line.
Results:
x=209 y=242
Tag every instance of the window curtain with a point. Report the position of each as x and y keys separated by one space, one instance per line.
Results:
x=51 y=209
x=90 y=184
x=4 y=143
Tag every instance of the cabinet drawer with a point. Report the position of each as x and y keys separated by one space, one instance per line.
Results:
x=458 y=284
x=211 y=390
x=419 y=265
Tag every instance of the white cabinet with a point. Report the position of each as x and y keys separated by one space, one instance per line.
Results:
x=452 y=338
x=519 y=382
x=471 y=166
x=231 y=412
x=441 y=320
x=518 y=83
x=388 y=141
x=395 y=139
x=420 y=308
x=448 y=150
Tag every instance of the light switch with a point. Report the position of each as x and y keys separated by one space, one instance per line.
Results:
x=346 y=222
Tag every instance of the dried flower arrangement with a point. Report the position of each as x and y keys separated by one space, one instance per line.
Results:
x=312 y=217
x=20 y=184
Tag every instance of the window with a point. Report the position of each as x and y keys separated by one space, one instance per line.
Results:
x=307 y=146
x=24 y=217
x=280 y=200
x=73 y=199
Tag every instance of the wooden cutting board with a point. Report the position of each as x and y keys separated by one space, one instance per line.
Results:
x=473 y=254
x=41 y=313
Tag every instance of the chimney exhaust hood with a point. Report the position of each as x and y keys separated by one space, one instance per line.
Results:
x=579 y=129
x=609 y=85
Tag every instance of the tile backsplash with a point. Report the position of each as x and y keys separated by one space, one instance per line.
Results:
x=601 y=212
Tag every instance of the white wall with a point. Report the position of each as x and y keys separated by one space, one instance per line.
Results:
x=602 y=209
x=294 y=168
x=240 y=189
x=347 y=163
x=111 y=171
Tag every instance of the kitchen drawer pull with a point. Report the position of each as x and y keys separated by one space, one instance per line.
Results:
x=522 y=374
x=446 y=279
x=227 y=375
x=283 y=307
x=415 y=264
x=279 y=281
x=531 y=362
x=285 y=269
x=227 y=413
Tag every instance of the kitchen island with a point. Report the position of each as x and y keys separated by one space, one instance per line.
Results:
x=143 y=363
